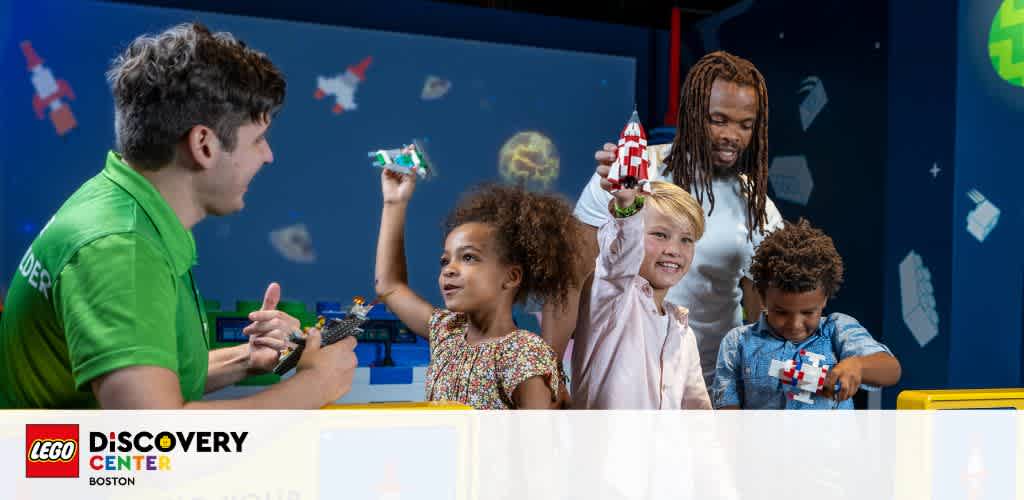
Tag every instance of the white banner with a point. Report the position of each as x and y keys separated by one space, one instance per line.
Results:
x=460 y=455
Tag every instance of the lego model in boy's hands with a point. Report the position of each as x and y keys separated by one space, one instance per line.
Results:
x=803 y=378
x=631 y=167
x=331 y=331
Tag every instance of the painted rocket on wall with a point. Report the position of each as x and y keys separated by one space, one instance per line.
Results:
x=49 y=92
x=343 y=87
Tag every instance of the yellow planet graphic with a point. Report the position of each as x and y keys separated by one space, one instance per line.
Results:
x=528 y=159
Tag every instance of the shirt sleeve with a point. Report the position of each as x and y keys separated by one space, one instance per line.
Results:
x=695 y=394
x=117 y=301
x=441 y=325
x=527 y=356
x=621 y=249
x=727 y=389
x=850 y=338
x=592 y=205
x=434 y=324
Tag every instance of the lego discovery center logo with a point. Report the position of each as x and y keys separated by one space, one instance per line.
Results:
x=53 y=451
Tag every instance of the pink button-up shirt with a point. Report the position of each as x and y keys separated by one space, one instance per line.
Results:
x=623 y=356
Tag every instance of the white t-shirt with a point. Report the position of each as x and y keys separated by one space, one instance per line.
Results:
x=710 y=289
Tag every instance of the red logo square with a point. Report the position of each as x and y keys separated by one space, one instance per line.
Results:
x=51 y=450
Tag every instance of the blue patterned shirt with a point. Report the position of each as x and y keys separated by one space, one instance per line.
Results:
x=742 y=373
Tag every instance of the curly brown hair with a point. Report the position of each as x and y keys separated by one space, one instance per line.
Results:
x=533 y=230
x=797 y=258
x=167 y=83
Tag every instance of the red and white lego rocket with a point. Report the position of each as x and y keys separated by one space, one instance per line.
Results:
x=343 y=87
x=631 y=166
x=49 y=92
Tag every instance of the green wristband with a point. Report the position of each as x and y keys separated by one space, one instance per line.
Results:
x=638 y=203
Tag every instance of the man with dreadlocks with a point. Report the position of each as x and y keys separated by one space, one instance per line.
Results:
x=720 y=155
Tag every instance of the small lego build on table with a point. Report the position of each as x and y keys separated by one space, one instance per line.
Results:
x=331 y=331
x=803 y=378
x=409 y=159
x=630 y=170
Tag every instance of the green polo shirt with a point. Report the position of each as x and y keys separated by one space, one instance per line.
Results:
x=106 y=285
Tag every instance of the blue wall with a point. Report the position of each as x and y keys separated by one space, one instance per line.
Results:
x=921 y=117
x=985 y=345
x=949 y=106
x=321 y=176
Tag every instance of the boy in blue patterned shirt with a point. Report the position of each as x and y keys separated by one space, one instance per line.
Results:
x=795 y=270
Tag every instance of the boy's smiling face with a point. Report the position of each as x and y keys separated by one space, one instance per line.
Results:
x=793 y=316
x=668 y=249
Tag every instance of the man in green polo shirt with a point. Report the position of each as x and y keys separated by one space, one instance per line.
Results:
x=103 y=310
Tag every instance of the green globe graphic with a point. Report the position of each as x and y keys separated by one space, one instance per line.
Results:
x=1006 y=42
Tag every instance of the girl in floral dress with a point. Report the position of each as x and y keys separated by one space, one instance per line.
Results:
x=503 y=245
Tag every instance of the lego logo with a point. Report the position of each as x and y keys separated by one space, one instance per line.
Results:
x=52 y=450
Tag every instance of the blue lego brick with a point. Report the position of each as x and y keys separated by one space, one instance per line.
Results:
x=389 y=375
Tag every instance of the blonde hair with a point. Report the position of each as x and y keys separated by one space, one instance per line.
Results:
x=677 y=203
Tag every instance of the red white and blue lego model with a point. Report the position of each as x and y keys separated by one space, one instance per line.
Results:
x=803 y=378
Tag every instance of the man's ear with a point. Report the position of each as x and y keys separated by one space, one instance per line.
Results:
x=203 y=146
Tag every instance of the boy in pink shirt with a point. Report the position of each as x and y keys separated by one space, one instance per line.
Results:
x=633 y=349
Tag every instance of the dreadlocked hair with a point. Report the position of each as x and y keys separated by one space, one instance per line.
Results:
x=797 y=258
x=534 y=231
x=690 y=159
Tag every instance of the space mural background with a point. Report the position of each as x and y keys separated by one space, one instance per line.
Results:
x=893 y=126
x=484 y=112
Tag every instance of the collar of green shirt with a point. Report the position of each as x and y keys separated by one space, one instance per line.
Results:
x=178 y=240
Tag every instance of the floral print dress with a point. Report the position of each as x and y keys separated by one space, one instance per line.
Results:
x=484 y=375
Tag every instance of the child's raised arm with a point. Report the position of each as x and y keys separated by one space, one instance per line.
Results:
x=620 y=240
x=391 y=279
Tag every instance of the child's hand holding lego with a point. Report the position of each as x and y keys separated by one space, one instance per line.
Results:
x=396 y=187
x=848 y=373
x=624 y=198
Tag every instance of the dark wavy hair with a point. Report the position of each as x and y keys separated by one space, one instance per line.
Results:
x=167 y=83
x=534 y=231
